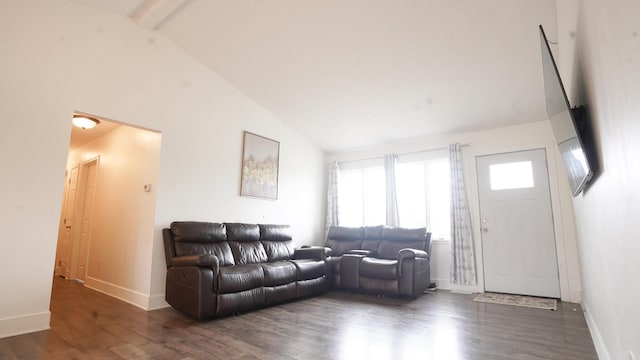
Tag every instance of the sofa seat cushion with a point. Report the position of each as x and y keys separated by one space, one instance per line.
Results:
x=240 y=278
x=379 y=268
x=278 y=273
x=239 y=301
x=309 y=269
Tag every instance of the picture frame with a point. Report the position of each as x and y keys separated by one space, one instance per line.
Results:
x=260 y=167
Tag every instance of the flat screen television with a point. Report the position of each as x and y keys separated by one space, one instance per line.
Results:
x=566 y=122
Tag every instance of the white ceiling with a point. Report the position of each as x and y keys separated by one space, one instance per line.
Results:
x=356 y=73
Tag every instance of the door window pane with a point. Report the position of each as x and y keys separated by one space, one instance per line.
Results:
x=515 y=175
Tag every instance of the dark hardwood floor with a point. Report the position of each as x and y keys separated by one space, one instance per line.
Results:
x=339 y=325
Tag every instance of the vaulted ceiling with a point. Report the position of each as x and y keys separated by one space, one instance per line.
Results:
x=356 y=73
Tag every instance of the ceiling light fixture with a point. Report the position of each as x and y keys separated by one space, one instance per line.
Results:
x=84 y=122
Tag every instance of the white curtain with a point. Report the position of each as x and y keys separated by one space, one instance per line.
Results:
x=332 y=197
x=463 y=260
x=390 y=184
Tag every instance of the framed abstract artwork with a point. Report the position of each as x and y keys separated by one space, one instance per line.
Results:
x=260 y=163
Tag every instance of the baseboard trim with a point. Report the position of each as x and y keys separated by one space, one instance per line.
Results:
x=445 y=284
x=24 y=324
x=129 y=296
x=576 y=296
x=598 y=341
x=157 y=302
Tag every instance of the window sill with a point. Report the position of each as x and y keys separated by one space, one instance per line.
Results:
x=440 y=241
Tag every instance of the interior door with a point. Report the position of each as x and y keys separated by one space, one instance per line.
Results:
x=65 y=233
x=518 y=242
x=88 y=182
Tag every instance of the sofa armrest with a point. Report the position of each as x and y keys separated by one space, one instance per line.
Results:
x=204 y=260
x=312 y=252
x=369 y=253
x=409 y=253
x=192 y=290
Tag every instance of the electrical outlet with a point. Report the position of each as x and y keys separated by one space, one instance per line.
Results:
x=631 y=356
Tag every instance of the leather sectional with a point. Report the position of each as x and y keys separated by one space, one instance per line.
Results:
x=379 y=260
x=217 y=269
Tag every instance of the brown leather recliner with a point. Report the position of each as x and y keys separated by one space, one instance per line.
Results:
x=216 y=269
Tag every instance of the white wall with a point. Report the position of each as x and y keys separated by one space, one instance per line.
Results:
x=603 y=62
x=57 y=57
x=513 y=138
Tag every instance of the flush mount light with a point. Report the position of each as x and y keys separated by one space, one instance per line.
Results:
x=84 y=122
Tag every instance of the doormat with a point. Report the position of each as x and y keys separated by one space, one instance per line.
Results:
x=518 y=300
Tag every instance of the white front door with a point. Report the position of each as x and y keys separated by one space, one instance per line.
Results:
x=518 y=242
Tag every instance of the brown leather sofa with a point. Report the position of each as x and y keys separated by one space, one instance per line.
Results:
x=216 y=269
x=379 y=260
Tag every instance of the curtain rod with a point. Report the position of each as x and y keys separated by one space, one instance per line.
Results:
x=401 y=154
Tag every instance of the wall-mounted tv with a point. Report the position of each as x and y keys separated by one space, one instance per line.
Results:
x=566 y=122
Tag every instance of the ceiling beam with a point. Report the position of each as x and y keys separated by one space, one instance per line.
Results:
x=153 y=12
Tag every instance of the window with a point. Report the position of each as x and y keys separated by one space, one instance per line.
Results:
x=422 y=182
x=514 y=175
x=361 y=196
x=423 y=195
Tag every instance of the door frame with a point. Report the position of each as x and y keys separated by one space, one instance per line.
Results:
x=67 y=210
x=561 y=206
x=538 y=158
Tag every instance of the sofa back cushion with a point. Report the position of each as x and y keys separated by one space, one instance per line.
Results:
x=344 y=239
x=198 y=238
x=371 y=237
x=395 y=239
x=244 y=240
x=277 y=241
